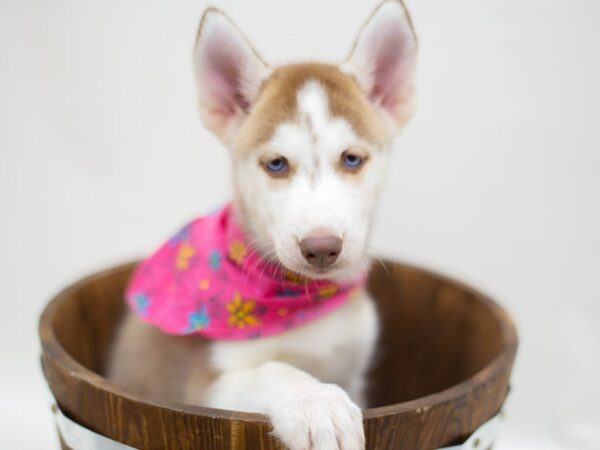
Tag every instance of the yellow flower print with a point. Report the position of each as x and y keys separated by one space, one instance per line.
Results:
x=184 y=254
x=327 y=291
x=204 y=284
x=293 y=277
x=237 y=251
x=241 y=312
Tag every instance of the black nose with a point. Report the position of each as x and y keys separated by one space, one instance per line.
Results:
x=321 y=251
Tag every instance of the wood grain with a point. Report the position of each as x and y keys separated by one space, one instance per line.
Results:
x=442 y=368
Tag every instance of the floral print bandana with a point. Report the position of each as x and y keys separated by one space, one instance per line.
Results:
x=207 y=280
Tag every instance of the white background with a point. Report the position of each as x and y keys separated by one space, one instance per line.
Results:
x=496 y=181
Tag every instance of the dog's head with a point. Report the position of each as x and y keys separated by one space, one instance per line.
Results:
x=309 y=142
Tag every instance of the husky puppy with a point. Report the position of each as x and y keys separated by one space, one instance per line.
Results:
x=309 y=145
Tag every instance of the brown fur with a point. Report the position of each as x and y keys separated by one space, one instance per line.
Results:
x=156 y=364
x=278 y=97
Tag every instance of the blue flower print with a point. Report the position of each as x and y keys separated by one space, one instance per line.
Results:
x=141 y=303
x=198 y=320
x=286 y=292
x=214 y=259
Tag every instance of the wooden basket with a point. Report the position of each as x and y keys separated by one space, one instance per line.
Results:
x=444 y=360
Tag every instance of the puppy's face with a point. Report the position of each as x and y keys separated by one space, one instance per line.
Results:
x=309 y=141
x=308 y=183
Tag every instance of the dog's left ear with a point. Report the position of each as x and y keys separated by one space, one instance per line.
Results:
x=229 y=73
x=383 y=61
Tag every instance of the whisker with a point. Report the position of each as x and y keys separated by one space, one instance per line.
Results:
x=380 y=261
x=257 y=264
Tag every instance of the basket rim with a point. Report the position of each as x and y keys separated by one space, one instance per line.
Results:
x=52 y=348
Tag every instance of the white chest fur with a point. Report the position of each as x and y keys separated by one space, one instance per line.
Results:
x=335 y=348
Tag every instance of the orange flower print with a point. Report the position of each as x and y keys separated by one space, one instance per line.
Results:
x=241 y=312
x=327 y=291
x=184 y=254
x=294 y=278
x=237 y=251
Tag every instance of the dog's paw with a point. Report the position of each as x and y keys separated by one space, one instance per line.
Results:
x=318 y=418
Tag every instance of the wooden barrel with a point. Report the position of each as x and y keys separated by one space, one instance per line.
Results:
x=442 y=369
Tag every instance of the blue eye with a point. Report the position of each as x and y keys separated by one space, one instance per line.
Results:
x=351 y=161
x=277 y=165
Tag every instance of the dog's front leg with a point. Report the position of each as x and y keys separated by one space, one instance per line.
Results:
x=305 y=413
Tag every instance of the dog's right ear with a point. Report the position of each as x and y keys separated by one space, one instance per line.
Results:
x=229 y=74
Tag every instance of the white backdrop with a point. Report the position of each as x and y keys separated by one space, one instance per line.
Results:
x=496 y=181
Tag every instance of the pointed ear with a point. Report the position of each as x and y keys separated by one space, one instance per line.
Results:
x=384 y=58
x=229 y=73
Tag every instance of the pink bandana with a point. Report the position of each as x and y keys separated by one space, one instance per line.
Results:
x=207 y=280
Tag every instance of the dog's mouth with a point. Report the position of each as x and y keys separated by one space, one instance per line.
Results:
x=339 y=270
x=318 y=272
